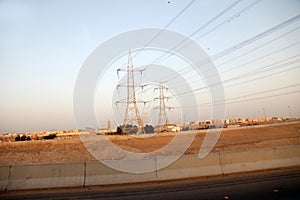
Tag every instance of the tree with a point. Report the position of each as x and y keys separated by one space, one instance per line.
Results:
x=18 y=138
x=49 y=137
x=130 y=129
x=149 y=129
x=23 y=138
x=119 y=130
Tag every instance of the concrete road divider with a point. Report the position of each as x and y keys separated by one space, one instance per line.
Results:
x=189 y=166
x=100 y=174
x=20 y=177
x=46 y=176
x=251 y=160
x=4 y=177
x=288 y=156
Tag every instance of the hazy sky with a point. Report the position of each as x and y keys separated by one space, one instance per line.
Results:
x=43 y=45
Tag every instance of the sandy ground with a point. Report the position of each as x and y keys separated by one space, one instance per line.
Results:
x=73 y=150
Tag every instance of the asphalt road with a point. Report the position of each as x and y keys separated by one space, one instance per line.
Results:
x=276 y=184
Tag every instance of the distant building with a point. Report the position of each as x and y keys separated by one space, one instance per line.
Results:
x=171 y=128
x=233 y=125
x=242 y=121
x=277 y=119
x=105 y=131
x=261 y=120
x=227 y=121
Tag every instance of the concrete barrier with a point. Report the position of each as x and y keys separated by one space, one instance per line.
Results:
x=252 y=160
x=46 y=176
x=288 y=156
x=20 y=177
x=100 y=174
x=4 y=177
x=188 y=166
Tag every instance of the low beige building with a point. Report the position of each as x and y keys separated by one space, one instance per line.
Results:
x=171 y=128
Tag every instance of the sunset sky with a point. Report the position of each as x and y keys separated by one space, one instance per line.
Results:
x=43 y=45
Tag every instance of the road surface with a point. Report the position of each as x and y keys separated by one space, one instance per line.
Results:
x=275 y=184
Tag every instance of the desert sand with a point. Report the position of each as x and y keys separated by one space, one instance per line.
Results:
x=73 y=150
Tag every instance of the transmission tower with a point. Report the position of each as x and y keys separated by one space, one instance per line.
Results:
x=132 y=115
x=108 y=124
x=162 y=116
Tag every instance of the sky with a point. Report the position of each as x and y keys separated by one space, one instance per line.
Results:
x=43 y=45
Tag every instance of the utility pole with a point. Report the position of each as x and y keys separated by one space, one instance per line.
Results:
x=290 y=115
x=162 y=116
x=132 y=115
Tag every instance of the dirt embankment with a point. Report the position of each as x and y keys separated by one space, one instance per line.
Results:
x=73 y=150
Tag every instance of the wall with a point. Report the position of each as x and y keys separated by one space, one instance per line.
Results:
x=19 y=177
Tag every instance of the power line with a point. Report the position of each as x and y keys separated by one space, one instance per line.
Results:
x=249 y=41
x=200 y=28
x=244 y=100
x=253 y=60
x=256 y=48
x=245 y=75
x=259 y=36
x=246 y=42
x=264 y=97
x=265 y=68
x=258 y=93
x=165 y=27
x=265 y=76
x=230 y=19
x=261 y=77
x=266 y=91
x=230 y=50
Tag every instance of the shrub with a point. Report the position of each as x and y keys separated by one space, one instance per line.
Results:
x=23 y=138
x=149 y=129
x=18 y=138
x=50 y=137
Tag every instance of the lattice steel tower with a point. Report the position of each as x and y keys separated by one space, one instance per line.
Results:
x=162 y=116
x=132 y=115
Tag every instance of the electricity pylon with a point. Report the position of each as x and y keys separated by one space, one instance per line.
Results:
x=162 y=116
x=132 y=115
x=108 y=124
